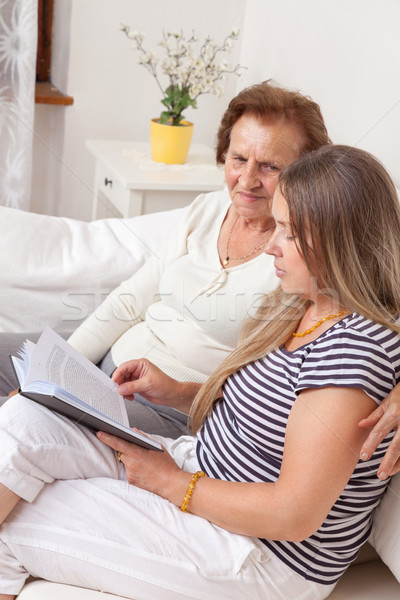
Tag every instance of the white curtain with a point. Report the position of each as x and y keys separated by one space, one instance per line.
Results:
x=18 y=42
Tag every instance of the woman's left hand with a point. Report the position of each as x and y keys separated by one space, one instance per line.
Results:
x=148 y=469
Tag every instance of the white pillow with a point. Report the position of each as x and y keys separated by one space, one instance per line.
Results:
x=55 y=271
x=385 y=535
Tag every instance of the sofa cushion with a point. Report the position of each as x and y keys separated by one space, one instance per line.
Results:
x=55 y=270
x=385 y=535
x=44 y=590
x=368 y=581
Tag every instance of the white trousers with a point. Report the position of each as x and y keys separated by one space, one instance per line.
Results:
x=81 y=523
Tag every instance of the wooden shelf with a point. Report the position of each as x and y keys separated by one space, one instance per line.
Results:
x=47 y=93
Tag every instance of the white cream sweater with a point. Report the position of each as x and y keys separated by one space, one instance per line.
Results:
x=181 y=310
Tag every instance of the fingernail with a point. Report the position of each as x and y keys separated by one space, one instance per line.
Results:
x=382 y=475
x=364 y=456
x=122 y=389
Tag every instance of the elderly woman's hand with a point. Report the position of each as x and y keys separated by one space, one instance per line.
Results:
x=383 y=419
x=148 y=469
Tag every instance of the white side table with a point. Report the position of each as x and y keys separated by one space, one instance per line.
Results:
x=129 y=183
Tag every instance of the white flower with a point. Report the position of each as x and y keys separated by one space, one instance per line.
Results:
x=194 y=90
x=136 y=35
x=187 y=65
x=147 y=58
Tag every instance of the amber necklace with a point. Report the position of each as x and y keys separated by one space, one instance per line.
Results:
x=308 y=331
x=253 y=251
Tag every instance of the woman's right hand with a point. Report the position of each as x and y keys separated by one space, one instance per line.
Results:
x=142 y=377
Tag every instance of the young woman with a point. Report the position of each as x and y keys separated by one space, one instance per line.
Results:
x=279 y=501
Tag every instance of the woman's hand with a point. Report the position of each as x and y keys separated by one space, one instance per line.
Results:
x=148 y=469
x=142 y=377
x=383 y=419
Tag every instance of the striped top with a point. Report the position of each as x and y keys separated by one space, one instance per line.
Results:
x=243 y=439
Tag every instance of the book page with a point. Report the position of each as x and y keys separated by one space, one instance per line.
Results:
x=55 y=361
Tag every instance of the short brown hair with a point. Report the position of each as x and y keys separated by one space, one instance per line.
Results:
x=268 y=101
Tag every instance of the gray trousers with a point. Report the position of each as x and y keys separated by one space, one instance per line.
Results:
x=142 y=414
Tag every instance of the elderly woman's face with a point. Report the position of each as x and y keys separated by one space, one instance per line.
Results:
x=257 y=152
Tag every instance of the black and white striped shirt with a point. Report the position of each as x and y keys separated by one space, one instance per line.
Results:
x=244 y=437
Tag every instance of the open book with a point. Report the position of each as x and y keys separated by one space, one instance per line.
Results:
x=56 y=375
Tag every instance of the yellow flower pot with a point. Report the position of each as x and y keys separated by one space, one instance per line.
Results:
x=170 y=144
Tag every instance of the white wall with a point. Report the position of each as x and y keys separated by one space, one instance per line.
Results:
x=345 y=54
x=114 y=98
x=49 y=126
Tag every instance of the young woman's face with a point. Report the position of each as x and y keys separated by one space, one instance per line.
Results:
x=289 y=265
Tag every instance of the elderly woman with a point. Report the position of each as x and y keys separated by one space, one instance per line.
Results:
x=280 y=503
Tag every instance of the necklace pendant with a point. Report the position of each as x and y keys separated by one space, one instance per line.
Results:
x=226 y=261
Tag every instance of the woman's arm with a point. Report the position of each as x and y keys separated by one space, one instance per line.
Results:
x=322 y=447
x=123 y=308
x=126 y=305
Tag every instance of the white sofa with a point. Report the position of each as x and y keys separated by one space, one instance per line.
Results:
x=57 y=270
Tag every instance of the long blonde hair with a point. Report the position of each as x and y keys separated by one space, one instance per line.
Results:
x=343 y=199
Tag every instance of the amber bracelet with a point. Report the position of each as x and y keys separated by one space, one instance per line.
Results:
x=190 y=489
